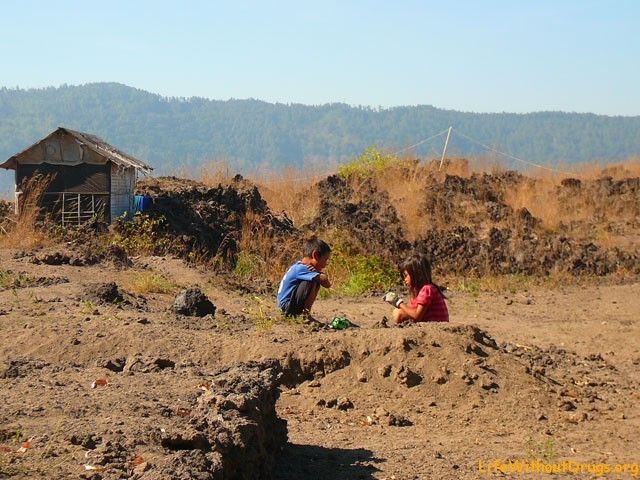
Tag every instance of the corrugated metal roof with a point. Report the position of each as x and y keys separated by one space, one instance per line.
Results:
x=94 y=143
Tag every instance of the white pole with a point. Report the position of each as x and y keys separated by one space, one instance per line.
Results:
x=444 y=151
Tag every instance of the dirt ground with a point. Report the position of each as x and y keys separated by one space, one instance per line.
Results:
x=548 y=375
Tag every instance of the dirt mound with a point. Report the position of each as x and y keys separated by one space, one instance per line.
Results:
x=463 y=251
x=414 y=366
x=197 y=223
x=11 y=280
x=471 y=229
x=478 y=198
x=365 y=214
x=233 y=432
x=153 y=417
x=228 y=430
x=496 y=239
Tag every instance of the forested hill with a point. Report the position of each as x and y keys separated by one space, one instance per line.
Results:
x=170 y=133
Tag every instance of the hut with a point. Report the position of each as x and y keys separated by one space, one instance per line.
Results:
x=88 y=179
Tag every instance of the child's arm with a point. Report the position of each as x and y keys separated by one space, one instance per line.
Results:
x=408 y=313
x=323 y=278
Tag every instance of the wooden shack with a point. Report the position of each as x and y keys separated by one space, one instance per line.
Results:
x=89 y=179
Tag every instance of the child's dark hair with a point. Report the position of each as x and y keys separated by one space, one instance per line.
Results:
x=314 y=244
x=419 y=268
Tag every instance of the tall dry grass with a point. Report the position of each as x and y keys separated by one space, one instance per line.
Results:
x=260 y=253
x=22 y=231
x=543 y=196
x=211 y=173
x=292 y=190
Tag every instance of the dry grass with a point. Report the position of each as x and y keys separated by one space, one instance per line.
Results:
x=405 y=181
x=540 y=195
x=260 y=254
x=149 y=282
x=216 y=172
x=292 y=190
x=211 y=173
x=22 y=232
x=540 y=199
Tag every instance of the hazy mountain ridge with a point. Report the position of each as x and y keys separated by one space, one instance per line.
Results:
x=172 y=132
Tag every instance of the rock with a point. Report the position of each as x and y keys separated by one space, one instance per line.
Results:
x=566 y=405
x=344 y=403
x=192 y=302
x=115 y=365
x=104 y=293
x=140 y=468
x=408 y=377
x=380 y=412
x=398 y=421
x=143 y=364
x=56 y=258
x=440 y=380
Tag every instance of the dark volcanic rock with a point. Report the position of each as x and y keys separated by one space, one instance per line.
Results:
x=367 y=215
x=192 y=302
x=193 y=221
x=104 y=293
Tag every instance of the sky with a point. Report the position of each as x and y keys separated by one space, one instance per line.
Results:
x=468 y=55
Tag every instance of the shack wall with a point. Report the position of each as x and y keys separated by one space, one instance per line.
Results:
x=123 y=182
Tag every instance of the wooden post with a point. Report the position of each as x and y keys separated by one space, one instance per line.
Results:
x=444 y=151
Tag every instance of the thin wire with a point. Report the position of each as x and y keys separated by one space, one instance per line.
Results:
x=422 y=141
x=513 y=157
x=394 y=154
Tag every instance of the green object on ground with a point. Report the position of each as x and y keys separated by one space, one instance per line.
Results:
x=340 y=323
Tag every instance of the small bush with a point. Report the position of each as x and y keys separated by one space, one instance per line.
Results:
x=144 y=234
x=370 y=164
x=353 y=274
x=248 y=264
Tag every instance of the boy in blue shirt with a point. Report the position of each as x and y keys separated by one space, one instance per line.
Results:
x=300 y=285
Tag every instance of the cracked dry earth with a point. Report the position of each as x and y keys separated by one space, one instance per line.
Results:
x=548 y=374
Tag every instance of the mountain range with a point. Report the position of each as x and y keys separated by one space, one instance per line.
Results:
x=176 y=133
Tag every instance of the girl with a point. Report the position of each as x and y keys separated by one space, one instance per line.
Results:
x=427 y=301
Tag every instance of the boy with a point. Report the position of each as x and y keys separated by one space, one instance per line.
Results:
x=300 y=285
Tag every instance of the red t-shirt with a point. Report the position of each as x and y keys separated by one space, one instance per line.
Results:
x=433 y=302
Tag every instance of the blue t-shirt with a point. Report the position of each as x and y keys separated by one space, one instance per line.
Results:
x=296 y=274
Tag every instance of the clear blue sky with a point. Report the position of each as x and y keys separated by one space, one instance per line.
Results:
x=472 y=55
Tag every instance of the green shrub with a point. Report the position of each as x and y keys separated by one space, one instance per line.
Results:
x=357 y=274
x=247 y=264
x=143 y=234
x=371 y=163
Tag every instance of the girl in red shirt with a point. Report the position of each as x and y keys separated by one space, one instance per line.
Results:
x=427 y=300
